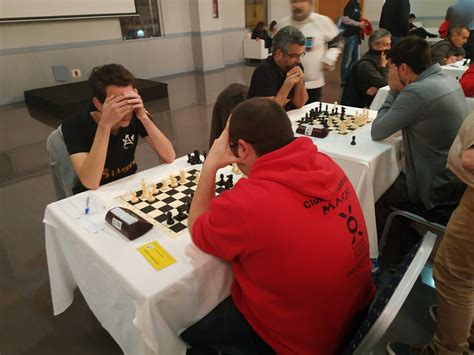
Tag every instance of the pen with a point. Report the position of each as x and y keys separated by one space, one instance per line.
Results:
x=87 y=206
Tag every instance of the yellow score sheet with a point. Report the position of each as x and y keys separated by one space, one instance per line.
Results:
x=156 y=255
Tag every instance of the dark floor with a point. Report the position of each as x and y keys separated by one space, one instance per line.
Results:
x=27 y=325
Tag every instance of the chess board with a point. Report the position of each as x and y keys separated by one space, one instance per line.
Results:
x=335 y=127
x=165 y=201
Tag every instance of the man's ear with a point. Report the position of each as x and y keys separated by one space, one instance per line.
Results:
x=245 y=149
x=97 y=103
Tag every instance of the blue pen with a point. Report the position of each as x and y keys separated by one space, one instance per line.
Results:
x=87 y=206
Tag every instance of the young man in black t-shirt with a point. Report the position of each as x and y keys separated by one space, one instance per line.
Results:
x=281 y=75
x=102 y=140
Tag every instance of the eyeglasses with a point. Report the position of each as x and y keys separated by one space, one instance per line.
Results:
x=294 y=56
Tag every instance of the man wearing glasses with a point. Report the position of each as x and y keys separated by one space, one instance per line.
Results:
x=281 y=75
x=323 y=44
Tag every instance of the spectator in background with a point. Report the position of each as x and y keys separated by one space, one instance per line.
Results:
x=467 y=82
x=352 y=35
x=394 y=18
x=259 y=32
x=323 y=44
x=372 y=71
x=462 y=13
x=418 y=31
x=272 y=29
x=450 y=50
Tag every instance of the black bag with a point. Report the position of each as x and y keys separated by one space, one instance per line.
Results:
x=351 y=94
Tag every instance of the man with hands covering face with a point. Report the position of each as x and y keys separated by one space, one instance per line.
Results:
x=101 y=141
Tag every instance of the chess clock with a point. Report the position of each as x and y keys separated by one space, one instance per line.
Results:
x=127 y=222
x=312 y=131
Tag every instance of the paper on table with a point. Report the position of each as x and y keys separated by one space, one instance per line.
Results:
x=75 y=208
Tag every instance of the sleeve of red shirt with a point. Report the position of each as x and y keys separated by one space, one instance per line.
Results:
x=222 y=230
x=467 y=82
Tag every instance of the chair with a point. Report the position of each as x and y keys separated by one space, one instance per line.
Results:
x=386 y=306
x=254 y=49
x=62 y=172
x=226 y=101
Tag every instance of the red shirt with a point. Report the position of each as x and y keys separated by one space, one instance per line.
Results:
x=467 y=82
x=296 y=239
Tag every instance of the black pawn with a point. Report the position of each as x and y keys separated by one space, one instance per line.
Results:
x=181 y=214
x=222 y=181
x=169 y=218
x=353 y=140
x=189 y=158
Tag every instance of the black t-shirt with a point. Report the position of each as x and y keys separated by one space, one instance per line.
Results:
x=352 y=10
x=79 y=132
x=267 y=80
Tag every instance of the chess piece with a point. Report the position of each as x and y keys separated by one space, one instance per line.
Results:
x=342 y=128
x=235 y=169
x=182 y=177
x=144 y=190
x=353 y=140
x=154 y=190
x=173 y=182
x=221 y=181
x=181 y=214
x=164 y=185
x=190 y=158
x=151 y=198
x=169 y=218
x=134 y=197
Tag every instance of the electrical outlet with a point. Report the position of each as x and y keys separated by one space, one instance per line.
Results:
x=76 y=73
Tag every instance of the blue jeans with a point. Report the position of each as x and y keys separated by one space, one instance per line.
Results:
x=350 y=54
x=225 y=329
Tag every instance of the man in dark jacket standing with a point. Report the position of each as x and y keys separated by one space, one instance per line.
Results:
x=394 y=18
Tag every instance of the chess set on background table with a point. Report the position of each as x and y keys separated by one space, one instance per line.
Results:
x=166 y=203
x=319 y=122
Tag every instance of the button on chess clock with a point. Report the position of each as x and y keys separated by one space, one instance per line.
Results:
x=127 y=222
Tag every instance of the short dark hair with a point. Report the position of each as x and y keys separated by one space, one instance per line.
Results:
x=413 y=51
x=262 y=123
x=106 y=75
x=412 y=16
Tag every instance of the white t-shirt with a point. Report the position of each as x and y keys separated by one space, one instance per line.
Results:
x=318 y=30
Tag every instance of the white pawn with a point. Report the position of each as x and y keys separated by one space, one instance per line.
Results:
x=182 y=177
x=154 y=190
x=134 y=197
x=173 y=181
x=164 y=185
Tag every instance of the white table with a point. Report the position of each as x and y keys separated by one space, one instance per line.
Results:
x=143 y=309
x=456 y=70
x=382 y=94
x=371 y=166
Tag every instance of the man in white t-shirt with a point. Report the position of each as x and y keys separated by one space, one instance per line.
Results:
x=323 y=44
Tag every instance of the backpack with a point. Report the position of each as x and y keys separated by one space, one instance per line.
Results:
x=351 y=94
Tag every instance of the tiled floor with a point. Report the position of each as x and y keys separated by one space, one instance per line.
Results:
x=27 y=325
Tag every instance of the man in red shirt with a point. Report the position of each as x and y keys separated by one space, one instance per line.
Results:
x=294 y=235
x=467 y=82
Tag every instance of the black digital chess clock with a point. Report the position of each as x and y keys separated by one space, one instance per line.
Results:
x=127 y=222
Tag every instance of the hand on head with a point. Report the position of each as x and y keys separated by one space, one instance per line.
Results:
x=220 y=154
x=135 y=100
x=114 y=109
x=394 y=78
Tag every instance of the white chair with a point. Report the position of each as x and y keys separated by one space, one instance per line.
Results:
x=62 y=172
x=254 y=49
x=385 y=308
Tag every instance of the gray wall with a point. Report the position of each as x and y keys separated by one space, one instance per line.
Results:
x=192 y=40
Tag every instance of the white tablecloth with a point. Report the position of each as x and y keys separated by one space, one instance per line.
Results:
x=143 y=309
x=371 y=166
